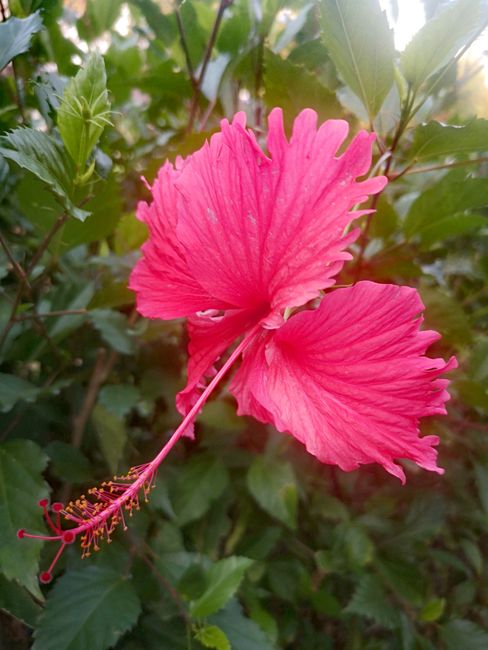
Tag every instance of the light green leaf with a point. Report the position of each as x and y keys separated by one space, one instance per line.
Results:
x=432 y=610
x=21 y=486
x=88 y=608
x=98 y=17
x=434 y=139
x=45 y=158
x=112 y=326
x=223 y=579
x=112 y=435
x=199 y=482
x=442 y=210
x=17 y=602
x=363 y=55
x=272 y=483
x=370 y=600
x=461 y=633
x=294 y=88
x=211 y=636
x=13 y=389
x=84 y=111
x=441 y=39
x=242 y=633
x=15 y=36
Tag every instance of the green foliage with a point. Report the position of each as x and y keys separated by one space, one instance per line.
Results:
x=90 y=607
x=247 y=542
x=15 y=36
x=363 y=55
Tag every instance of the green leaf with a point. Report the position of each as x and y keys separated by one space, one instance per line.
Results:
x=88 y=608
x=200 y=482
x=461 y=633
x=481 y=476
x=435 y=140
x=432 y=610
x=14 y=389
x=84 y=110
x=442 y=210
x=211 y=636
x=363 y=55
x=446 y=315
x=272 y=483
x=45 y=158
x=119 y=399
x=68 y=463
x=21 y=486
x=15 y=36
x=112 y=435
x=98 y=17
x=242 y=633
x=370 y=600
x=17 y=602
x=112 y=326
x=223 y=579
x=441 y=38
x=294 y=88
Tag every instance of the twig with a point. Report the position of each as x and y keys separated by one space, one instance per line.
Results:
x=184 y=46
x=50 y=314
x=60 y=221
x=206 y=59
x=422 y=170
x=2 y=11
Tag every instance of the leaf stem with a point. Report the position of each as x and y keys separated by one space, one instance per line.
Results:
x=422 y=170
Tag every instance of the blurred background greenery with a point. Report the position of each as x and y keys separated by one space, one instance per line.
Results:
x=247 y=542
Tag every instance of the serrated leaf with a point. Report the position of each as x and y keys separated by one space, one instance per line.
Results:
x=242 y=633
x=21 y=486
x=441 y=38
x=363 y=55
x=461 y=633
x=370 y=600
x=17 y=602
x=45 y=158
x=84 y=110
x=435 y=140
x=88 y=608
x=211 y=636
x=223 y=580
x=113 y=328
x=112 y=435
x=15 y=36
x=272 y=483
x=293 y=88
x=443 y=209
x=13 y=389
x=198 y=484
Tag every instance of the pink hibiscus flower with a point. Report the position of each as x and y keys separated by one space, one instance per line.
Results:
x=240 y=242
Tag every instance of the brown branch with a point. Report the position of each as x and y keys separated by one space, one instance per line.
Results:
x=59 y=223
x=422 y=170
x=19 y=271
x=184 y=46
x=206 y=59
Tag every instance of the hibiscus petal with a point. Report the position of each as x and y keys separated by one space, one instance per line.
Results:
x=164 y=284
x=261 y=230
x=350 y=379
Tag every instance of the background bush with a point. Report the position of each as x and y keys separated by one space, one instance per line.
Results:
x=247 y=541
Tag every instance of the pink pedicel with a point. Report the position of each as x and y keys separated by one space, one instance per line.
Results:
x=244 y=243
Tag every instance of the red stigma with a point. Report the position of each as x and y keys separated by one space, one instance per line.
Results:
x=45 y=577
x=20 y=533
x=57 y=507
x=68 y=537
x=43 y=503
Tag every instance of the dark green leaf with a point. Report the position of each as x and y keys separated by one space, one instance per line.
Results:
x=242 y=633
x=198 y=484
x=13 y=389
x=88 y=608
x=112 y=325
x=294 y=88
x=460 y=633
x=68 y=463
x=119 y=399
x=370 y=600
x=17 y=602
x=98 y=17
x=434 y=139
x=272 y=483
x=15 y=36
x=363 y=56
x=84 y=110
x=112 y=435
x=223 y=579
x=447 y=316
x=441 y=38
x=45 y=158
x=21 y=486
